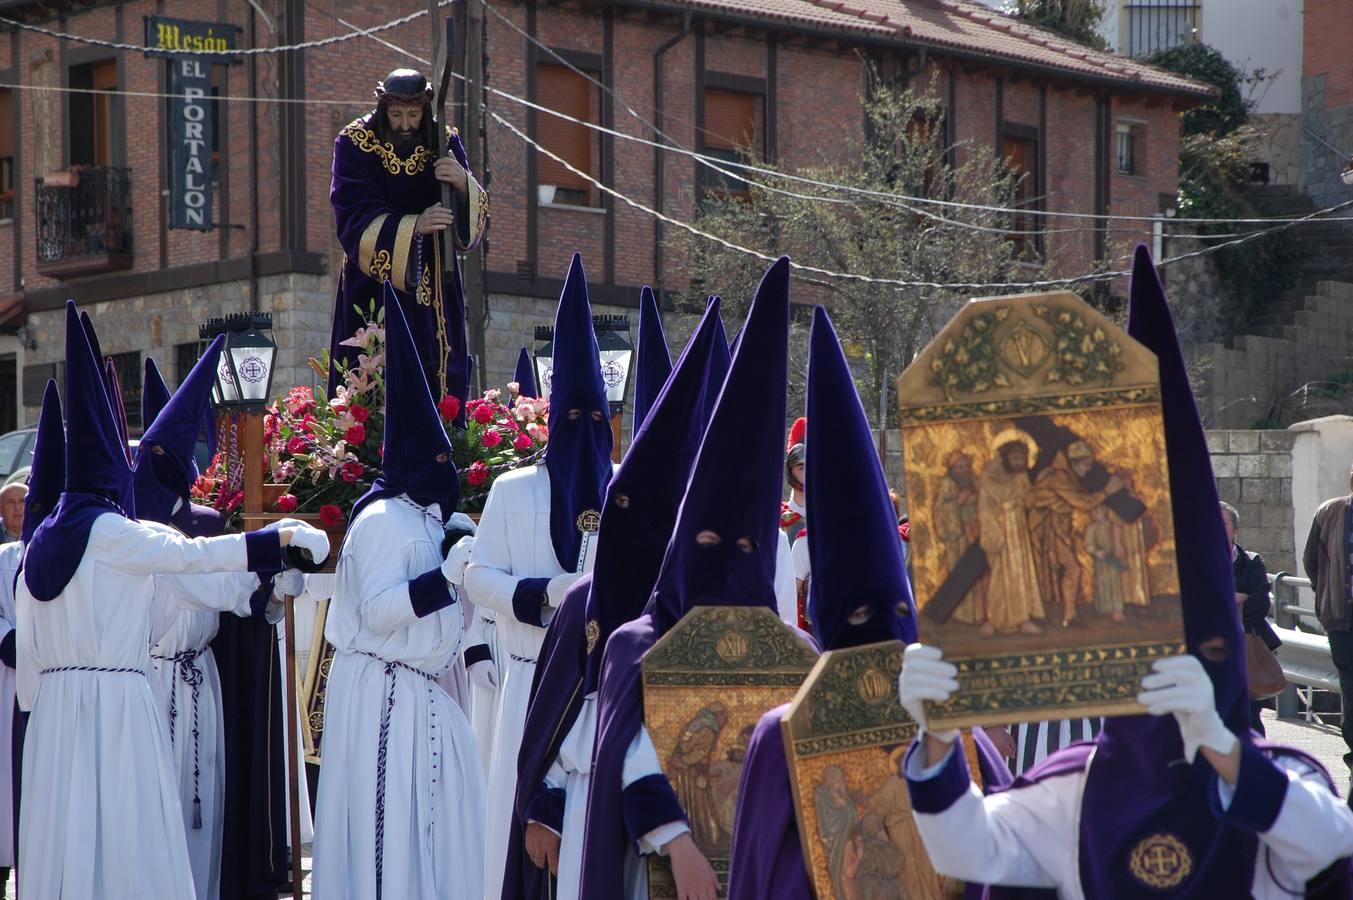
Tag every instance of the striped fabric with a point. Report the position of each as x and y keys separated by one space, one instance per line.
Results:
x=1035 y=740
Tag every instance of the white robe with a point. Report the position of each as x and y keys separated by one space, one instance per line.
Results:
x=11 y=554
x=184 y=620
x=101 y=812
x=484 y=700
x=433 y=799
x=1029 y=836
x=512 y=542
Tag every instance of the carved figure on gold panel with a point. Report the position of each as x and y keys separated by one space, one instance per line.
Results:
x=956 y=527
x=1103 y=540
x=837 y=818
x=689 y=770
x=875 y=863
x=1003 y=498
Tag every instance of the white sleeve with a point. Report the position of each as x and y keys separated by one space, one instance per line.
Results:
x=489 y=579
x=641 y=760
x=786 y=594
x=1024 y=837
x=366 y=572
x=1313 y=829
x=26 y=672
x=556 y=779
x=226 y=592
x=799 y=553
x=142 y=550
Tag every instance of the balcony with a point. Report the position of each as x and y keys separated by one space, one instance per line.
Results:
x=84 y=221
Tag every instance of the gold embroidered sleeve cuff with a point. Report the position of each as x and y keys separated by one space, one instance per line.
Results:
x=477 y=199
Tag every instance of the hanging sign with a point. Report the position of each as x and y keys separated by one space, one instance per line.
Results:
x=172 y=38
x=190 y=141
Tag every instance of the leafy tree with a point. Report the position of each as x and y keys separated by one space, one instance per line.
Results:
x=902 y=154
x=1075 y=19
x=1230 y=110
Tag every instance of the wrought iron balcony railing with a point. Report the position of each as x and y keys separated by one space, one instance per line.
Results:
x=84 y=221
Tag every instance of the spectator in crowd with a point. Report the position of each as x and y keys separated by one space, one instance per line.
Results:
x=1251 y=594
x=1327 y=560
x=12 y=498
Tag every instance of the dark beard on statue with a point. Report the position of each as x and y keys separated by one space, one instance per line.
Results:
x=404 y=142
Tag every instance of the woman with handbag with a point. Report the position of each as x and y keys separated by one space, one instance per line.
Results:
x=1252 y=595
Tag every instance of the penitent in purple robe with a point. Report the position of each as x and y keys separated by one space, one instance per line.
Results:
x=377 y=196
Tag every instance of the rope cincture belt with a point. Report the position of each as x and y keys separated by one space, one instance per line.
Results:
x=390 y=670
x=186 y=663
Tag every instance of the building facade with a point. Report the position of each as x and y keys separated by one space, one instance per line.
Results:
x=85 y=131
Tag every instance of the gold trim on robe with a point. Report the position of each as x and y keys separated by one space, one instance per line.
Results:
x=404 y=238
x=368 y=260
x=479 y=214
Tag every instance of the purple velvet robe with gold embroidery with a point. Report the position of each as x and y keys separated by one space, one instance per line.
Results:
x=377 y=196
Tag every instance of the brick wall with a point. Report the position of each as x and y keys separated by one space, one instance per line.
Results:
x=1326 y=98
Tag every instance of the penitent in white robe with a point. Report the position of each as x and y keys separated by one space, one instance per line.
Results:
x=512 y=542
x=484 y=700
x=431 y=809
x=101 y=812
x=11 y=554
x=184 y=620
x=1028 y=836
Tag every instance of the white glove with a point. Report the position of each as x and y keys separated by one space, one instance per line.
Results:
x=484 y=674
x=307 y=537
x=278 y=524
x=1179 y=685
x=457 y=558
x=290 y=583
x=926 y=676
x=461 y=521
x=559 y=585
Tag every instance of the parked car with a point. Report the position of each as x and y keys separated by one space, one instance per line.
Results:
x=16 y=450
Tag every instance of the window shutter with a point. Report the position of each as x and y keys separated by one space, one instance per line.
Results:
x=568 y=92
x=6 y=124
x=730 y=120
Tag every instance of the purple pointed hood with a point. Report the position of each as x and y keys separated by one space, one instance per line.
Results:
x=47 y=476
x=851 y=514
x=98 y=479
x=642 y=501
x=414 y=434
x=166 y=466
x=525 y=376
x=723 y=548
x=653 y=362
x=154 y=393
x=578 y=455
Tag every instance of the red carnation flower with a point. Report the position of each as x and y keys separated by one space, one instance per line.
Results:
x=359 y=413
x=523 y=441
x=356 y=434
x=491 y=438
x=352 y=471
x=449 y=407
x=330 y=514
x=477 y=474
x=287 y=503
x=308 y=424
x=483 y=414
x=296 y=445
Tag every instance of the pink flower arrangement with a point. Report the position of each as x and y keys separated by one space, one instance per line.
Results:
x=287 y=503
x=490 y=438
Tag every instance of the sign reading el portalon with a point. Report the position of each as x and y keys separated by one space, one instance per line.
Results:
x=191 y=115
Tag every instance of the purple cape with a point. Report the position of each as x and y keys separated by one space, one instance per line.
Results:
x=364 y=189
x=556 y=698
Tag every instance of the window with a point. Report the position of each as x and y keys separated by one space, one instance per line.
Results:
x=1019 y=146
x=926 y=140
x=1131 y=148
x=560 y=88
x=734 y=132
x=128 y=368
x=1155 y=25
x=185 y=357
x=95 y=126
x=6 y=155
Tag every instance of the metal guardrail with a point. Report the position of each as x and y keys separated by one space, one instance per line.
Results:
x=1305 y=651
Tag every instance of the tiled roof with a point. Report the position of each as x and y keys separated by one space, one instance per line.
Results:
x=961 y=26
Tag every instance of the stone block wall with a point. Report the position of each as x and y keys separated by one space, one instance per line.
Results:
x=1238 y=385
x=1279 y=145
x=1254 y=474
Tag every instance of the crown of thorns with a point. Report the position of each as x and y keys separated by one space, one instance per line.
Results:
x=404 y=86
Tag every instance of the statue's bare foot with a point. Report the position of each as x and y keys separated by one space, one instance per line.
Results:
x=1029 y=628
x=987 y=629
x=1118 y=617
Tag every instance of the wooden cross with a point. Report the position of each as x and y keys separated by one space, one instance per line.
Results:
x=443 y=39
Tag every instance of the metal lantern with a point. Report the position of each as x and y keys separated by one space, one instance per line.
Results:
x=616 y=355
x=244 y=374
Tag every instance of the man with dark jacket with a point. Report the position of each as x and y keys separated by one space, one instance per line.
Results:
x=1252 y=595
x=1327 y=559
